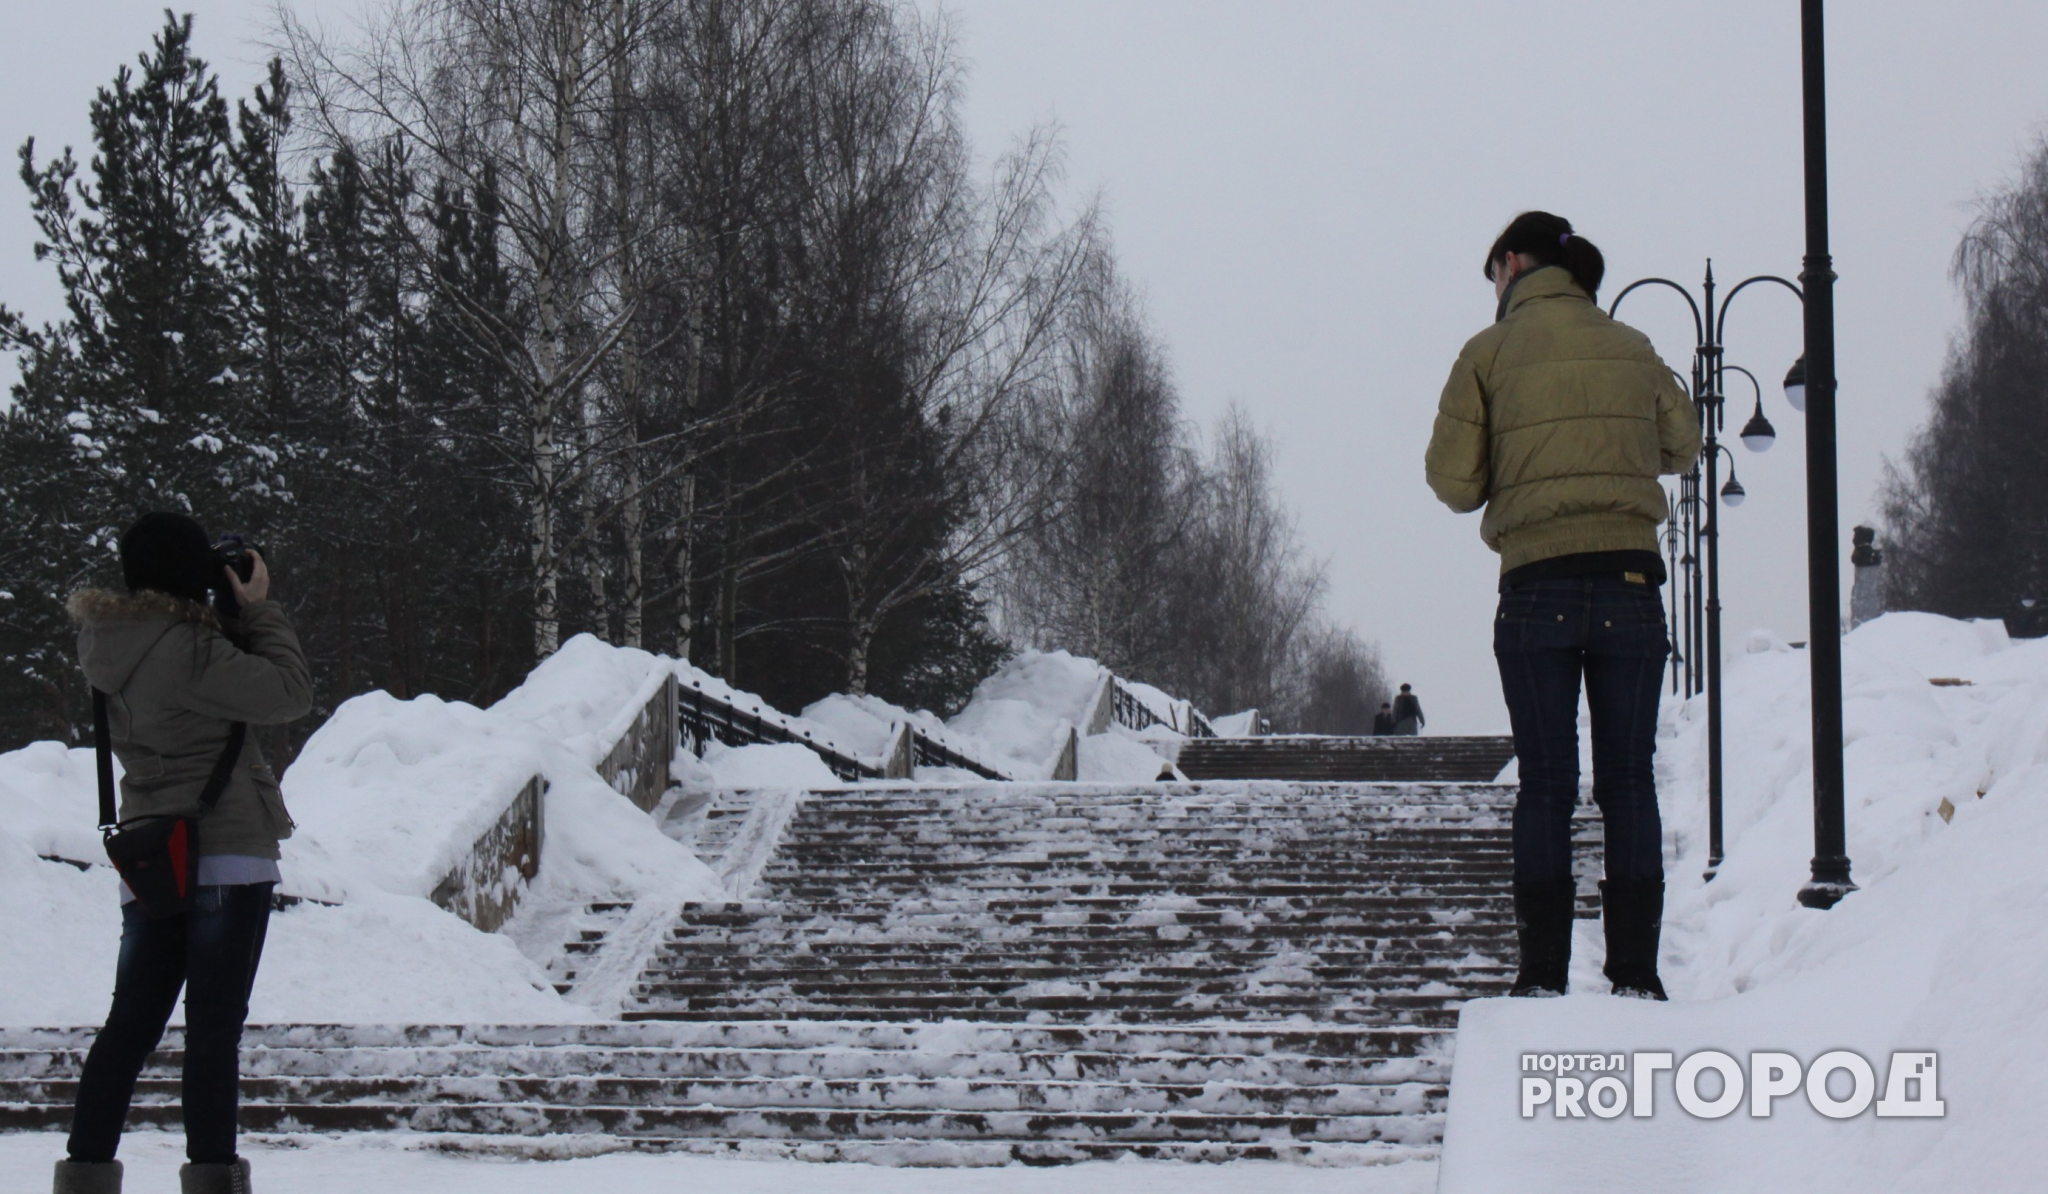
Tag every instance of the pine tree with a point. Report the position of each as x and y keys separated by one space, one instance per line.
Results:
x=132 y=401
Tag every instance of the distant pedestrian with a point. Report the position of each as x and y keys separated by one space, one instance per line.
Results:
x=1559 y=420
x=1383 y=721
x=1408 y=719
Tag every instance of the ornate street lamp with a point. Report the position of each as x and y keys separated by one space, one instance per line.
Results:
x=1709 y=399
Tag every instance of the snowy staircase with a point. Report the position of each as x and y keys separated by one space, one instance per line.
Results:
x=1351 y=760
x=1005 y=973
x=1246 y=969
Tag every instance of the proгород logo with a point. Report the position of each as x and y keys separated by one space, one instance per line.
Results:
x=1839 y=1084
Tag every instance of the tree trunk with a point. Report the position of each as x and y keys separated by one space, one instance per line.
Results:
x=632 y=514
x=547 y=392
x=686 y=513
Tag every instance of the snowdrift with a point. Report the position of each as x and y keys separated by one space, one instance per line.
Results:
x=1945 y=948
x=1022 y=714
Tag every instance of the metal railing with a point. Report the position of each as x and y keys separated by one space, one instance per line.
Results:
x=702 y=719
x=930 y=752
x=1134 y=714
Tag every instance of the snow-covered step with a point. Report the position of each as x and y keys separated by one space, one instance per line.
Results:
x=892 y=1093
x=1340 y=758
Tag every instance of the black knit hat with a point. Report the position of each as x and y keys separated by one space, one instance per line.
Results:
x=169 y=553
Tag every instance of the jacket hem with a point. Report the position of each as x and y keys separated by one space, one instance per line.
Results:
x=1572 y=536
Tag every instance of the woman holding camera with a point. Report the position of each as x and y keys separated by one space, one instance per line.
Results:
x=1559 y=420
x=181 y=677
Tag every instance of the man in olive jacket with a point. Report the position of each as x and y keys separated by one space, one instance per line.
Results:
x=1558 y=422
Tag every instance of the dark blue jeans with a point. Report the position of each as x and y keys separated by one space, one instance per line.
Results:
x=211 y=952
x=1547 y=635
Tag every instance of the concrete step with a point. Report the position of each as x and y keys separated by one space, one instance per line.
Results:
x=1393 y=1059
x=829 y=1125
x=889 y=1094
x=1369 y=759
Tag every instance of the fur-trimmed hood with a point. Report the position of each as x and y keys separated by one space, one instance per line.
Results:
x=88 y=606
x=116 y=629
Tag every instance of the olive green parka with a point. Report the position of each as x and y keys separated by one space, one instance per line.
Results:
x=1559 y=420
x=175 y=686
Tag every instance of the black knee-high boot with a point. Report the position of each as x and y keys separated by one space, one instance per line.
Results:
x=1633 y=912
x=1543 y=923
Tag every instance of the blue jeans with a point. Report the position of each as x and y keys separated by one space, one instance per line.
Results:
x=1547 y=635
x=211 y=952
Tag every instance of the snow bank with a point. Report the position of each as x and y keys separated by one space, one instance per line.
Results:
x=51 y=800
x=585 y=695
x=400 y=790
x=768 y=765
x=1023 y=711
x=1118 y=756
x=1944 y=948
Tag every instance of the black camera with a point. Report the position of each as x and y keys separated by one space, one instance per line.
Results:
x=238 y=554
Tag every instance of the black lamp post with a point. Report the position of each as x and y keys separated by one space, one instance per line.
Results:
x=1830 y=881
x=1709 y=399
x=1673 y=537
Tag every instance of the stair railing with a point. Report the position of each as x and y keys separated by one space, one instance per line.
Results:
x=703 y=719
x=1134 y=714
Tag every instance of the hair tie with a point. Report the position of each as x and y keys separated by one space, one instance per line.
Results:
x=1563 y=238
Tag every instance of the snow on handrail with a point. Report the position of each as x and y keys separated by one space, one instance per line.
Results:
x=703 y=717
x=1134 y=713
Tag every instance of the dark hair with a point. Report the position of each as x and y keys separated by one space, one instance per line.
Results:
x=1551 y=241
x=170 y=553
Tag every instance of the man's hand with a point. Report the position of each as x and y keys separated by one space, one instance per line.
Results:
x=257 y=587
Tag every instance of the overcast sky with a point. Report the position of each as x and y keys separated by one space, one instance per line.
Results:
x=1304 y=192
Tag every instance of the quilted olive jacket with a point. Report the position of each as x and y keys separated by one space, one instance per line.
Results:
x=1559 y=420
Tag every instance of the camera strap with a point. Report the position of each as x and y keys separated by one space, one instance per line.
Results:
x=103 y=751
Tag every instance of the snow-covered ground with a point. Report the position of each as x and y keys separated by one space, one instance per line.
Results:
x=1945 y=948
x=351 y=1164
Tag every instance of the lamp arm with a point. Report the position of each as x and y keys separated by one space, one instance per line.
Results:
x=1752 y=381
x=1722 y=322
x=1699 y=326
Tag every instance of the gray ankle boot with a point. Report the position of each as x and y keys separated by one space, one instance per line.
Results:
x=232 y=1178
x=88 y=1177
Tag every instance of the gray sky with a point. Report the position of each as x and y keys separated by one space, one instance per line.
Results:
x=1304 y=191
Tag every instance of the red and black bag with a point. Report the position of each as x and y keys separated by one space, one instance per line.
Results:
x=158 y=857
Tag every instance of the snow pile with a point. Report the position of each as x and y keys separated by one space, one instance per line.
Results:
x=783 y=765
x=1119 y=755
x=400 y=790
x=1023 y=712
x=51 y=800
x=1945 y=948
x=868 y=724
x=586 y=695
